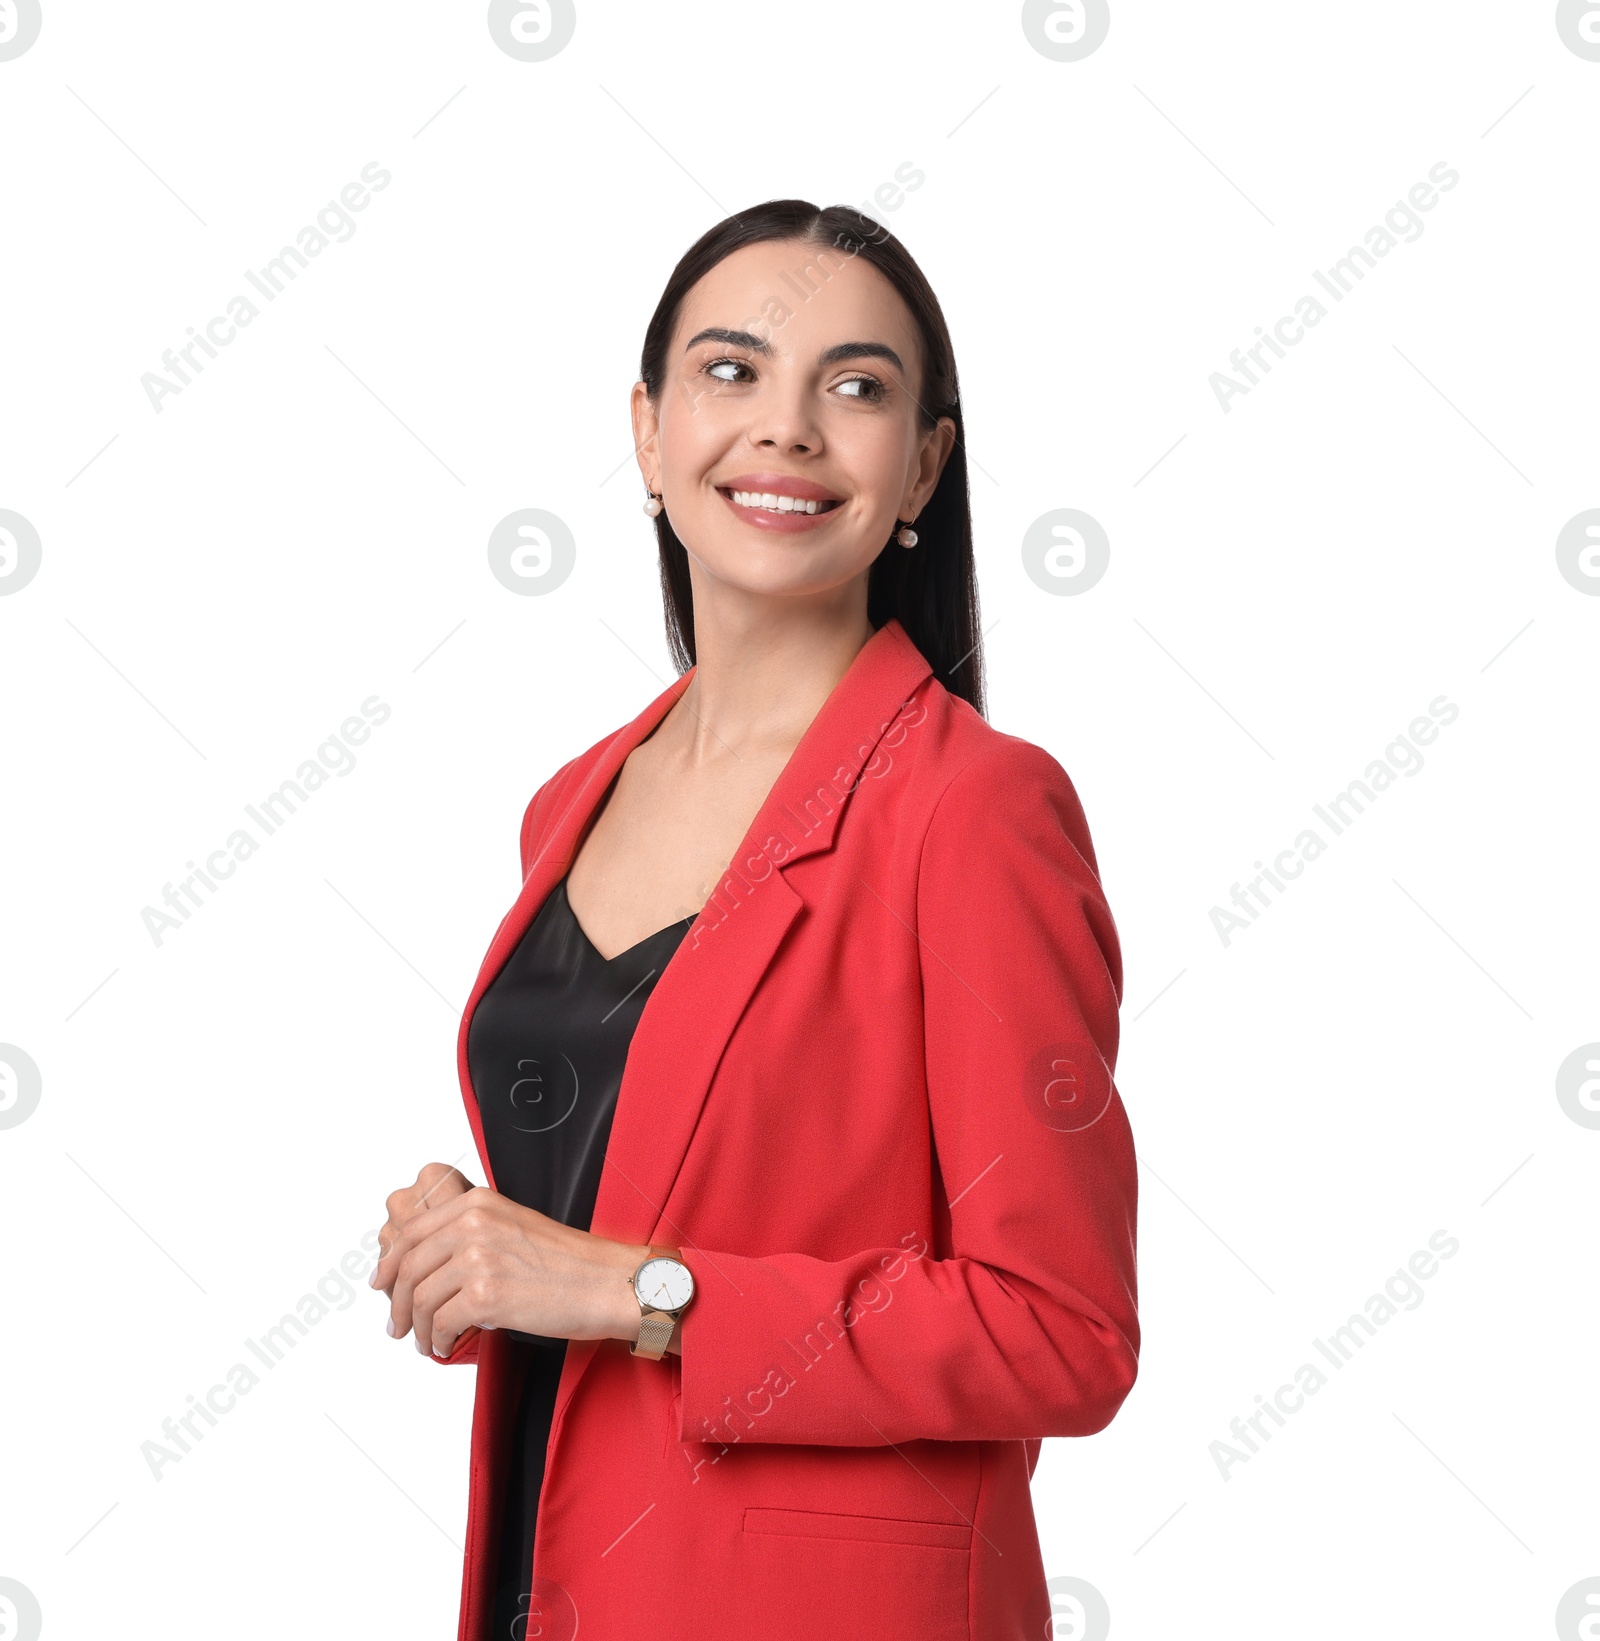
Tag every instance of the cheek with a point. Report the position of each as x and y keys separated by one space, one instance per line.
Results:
x=693 y=399
x=695 y=434
x=876 y=457
x=878 y=448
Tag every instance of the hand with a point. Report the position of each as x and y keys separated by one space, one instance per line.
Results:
x=479 y=1259
x=436 y=1184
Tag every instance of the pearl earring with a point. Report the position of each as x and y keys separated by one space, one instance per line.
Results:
x=653 y=506
x=906 y=536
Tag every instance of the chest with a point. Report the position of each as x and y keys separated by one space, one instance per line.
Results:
x=660 y=841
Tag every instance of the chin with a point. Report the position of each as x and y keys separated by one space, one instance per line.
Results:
x=780 y=569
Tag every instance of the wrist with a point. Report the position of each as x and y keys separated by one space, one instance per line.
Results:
x=629 y=1257
x=658 y=1327
x=624 y=1309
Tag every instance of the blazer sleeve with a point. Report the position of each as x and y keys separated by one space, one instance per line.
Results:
x=1028 y=1326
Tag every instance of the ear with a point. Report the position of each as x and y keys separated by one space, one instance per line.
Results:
x=646 y=426
x=937 y=444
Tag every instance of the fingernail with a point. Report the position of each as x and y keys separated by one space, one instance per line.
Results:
x=390 y=1326
x=372 y=1281
x=438 y=1352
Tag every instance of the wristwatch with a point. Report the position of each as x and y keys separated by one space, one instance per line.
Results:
x=663 y=1286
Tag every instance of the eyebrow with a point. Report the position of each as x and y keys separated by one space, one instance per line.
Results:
x=835 y=355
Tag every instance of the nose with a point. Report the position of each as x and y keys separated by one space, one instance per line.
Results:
x=783 y=419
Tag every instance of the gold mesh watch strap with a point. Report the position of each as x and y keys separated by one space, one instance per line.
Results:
x=655 y=1333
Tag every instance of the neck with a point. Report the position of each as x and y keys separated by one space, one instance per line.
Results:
x=761 y=676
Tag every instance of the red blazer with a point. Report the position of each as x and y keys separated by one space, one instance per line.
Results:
x=871 y=1101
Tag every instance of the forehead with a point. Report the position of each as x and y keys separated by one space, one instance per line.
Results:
x=801 y=298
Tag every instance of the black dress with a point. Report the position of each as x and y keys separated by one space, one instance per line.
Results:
x=546 y=1050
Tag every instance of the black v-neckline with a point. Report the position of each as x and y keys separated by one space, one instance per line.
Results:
x=675 y=927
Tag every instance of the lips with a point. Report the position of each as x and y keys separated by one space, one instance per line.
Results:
x=771 y=502
x=779 y=494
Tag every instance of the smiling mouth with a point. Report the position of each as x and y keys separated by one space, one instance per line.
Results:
x=768 y=502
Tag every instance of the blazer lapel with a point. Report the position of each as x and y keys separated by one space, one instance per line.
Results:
x=704 y=989
x=554 y=855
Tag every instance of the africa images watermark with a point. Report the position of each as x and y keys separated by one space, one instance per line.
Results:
x=275 y=276
x=1400 y=757
x=1339 y=280
x=870 y=1297
x=334 y=757
x=819 y=264
x=334 y=1291
x=1402 y=1291
x=742 y=878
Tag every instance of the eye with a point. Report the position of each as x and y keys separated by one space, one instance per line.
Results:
x=715 y=365
x=868 y=388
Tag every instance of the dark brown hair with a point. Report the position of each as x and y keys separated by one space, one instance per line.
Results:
x=933 y=588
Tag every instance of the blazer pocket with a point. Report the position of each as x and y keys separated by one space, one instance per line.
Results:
x=933 y=1535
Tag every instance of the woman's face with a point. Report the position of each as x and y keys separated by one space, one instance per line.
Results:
x=812 y=398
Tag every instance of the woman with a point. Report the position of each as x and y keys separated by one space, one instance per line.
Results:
x=811 y=1201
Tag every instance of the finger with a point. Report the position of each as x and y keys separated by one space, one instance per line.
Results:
x=423 y=1249
x=443 y=1310
x=392 y=1245
x=437 y=1183
x=404 y=1207
x=378 y=1278
x=415 y=1266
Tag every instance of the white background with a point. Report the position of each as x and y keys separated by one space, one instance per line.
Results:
x=1373 y=1060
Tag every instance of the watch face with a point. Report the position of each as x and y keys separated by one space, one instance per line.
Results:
x=664 y=1284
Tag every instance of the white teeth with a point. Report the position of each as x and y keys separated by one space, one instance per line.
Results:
x=770 y=503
